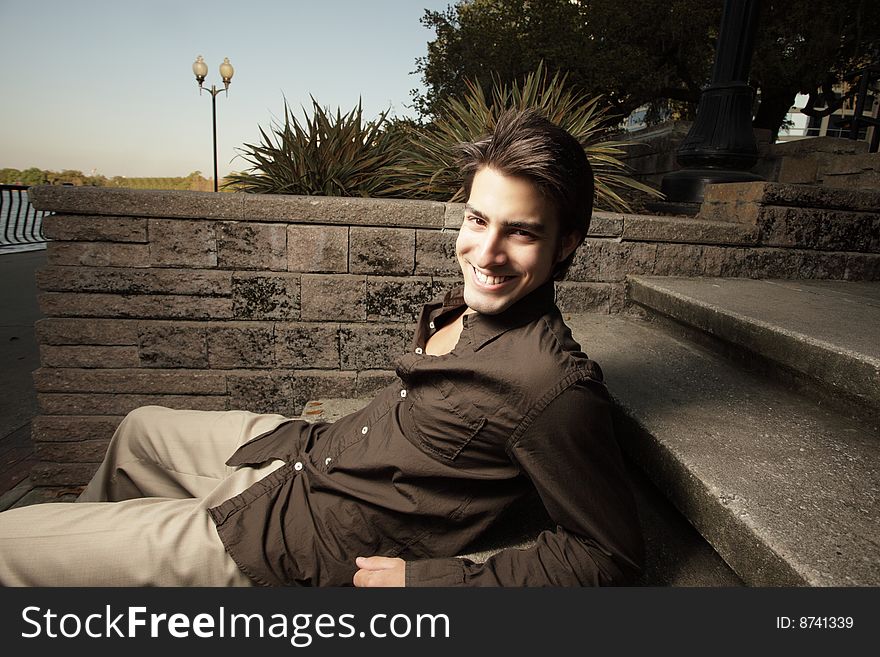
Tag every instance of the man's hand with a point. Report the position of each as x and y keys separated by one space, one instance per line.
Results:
x=380 y=571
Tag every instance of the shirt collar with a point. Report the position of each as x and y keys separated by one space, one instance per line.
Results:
x=480 y=329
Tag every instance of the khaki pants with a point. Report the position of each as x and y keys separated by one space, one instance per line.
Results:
x=142 y=520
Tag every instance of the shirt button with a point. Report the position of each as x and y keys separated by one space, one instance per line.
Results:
x=431 y=324
x=418 y=350
x=298 y=466
x=403 y=393
x=365 y=429
x=327 y=460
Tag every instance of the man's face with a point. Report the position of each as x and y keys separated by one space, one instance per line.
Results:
x=509 y=242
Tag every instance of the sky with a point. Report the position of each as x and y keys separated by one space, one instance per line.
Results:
x=106 y=86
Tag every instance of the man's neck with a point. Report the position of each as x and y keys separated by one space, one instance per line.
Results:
x=446 y=337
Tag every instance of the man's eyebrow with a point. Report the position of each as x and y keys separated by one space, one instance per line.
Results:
x=517 y=224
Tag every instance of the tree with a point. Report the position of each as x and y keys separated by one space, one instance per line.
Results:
x=33 y=176
x=802 y=46
x=654 y=52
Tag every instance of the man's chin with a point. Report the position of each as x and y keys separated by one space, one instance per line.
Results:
x=485 y=304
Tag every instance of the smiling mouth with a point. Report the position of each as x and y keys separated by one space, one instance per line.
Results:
x=490 y=281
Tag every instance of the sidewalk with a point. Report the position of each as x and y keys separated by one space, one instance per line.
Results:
x=19 y=357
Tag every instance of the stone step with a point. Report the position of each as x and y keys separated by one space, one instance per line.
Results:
x=676 y=553
x=785 y=490
x=823 y=331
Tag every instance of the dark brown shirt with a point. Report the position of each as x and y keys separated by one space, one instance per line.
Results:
x=435 y=458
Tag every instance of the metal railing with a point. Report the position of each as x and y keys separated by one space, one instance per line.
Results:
x=20 y=223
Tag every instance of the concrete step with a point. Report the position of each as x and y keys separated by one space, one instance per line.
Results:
x=827 y=332
x=785 y=490
x=676 y=553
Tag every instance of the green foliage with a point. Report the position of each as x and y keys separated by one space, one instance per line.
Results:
x=326 y=155
x=654 y=52
x=427 y=166
x=34 y=176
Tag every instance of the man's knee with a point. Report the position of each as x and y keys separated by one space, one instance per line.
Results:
x=139 y=424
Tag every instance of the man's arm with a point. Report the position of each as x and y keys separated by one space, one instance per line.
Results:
x=570 y=455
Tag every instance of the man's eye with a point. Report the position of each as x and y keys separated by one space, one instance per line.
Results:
x=523 y=233
x=476 y=220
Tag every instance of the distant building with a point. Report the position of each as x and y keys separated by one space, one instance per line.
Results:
x=833 y=125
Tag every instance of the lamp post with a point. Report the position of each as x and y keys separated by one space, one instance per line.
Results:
x=226 y=71
x=720 y=146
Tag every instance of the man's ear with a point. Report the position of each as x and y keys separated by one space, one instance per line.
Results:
x=568 y=244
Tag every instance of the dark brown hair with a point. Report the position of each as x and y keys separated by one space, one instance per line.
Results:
x=525 y=144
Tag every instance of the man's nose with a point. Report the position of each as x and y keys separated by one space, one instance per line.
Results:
x=491 y=250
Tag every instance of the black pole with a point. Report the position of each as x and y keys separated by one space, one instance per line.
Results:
x=720 y=146
x=214 y=117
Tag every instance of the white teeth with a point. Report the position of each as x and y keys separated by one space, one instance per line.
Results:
x=489 y=280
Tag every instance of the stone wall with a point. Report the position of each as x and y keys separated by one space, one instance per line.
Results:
x=825 y=161
x=218 y=301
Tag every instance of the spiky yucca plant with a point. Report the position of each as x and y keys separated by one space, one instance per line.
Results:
x=328 y=155
x=427 y=167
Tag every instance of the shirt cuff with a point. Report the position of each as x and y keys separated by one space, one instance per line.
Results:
x=434 y=572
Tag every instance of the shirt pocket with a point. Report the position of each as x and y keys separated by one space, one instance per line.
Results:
x=445 y=423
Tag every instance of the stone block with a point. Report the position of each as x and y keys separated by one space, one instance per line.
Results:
x=77 y=228
x=835 y=145
x=583 y=297
x=307 y=346
x=67 y=428
x=118 y=404
x=313 y=384
x=606 y=224
x=248 y=245
x=686 y=230
x=397 y=299
x=136 y=202
x=441 y=286
x=742 y=196
x=88 y=356
x=171 y=382
x=182 y=243
x=98 y=254
x=333 y=298
x=381 y=251
x=821 y=265
x=347 y=211
x=435 y=253
x=771 y=263
x=317 y=249
x=832 y=230
x=285 y=392
x=370 y=382
x=617 y=302
x=58 y=331
x=373 y=345
x=241 y=345
x=135 y=281
x=862 y=267
x=266 y=296
x=171 y=345
x=721 y=260
x=851 y=164
x=610 y=260
x=799 y=170
x=863 y=180
x=83 y=451
x=261 y=392
x=147 y=306
x=678 y=260
x=453 y=215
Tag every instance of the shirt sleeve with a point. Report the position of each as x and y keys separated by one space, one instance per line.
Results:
x=571 y=456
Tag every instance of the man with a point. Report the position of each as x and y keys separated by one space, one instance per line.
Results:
x=495 y=400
